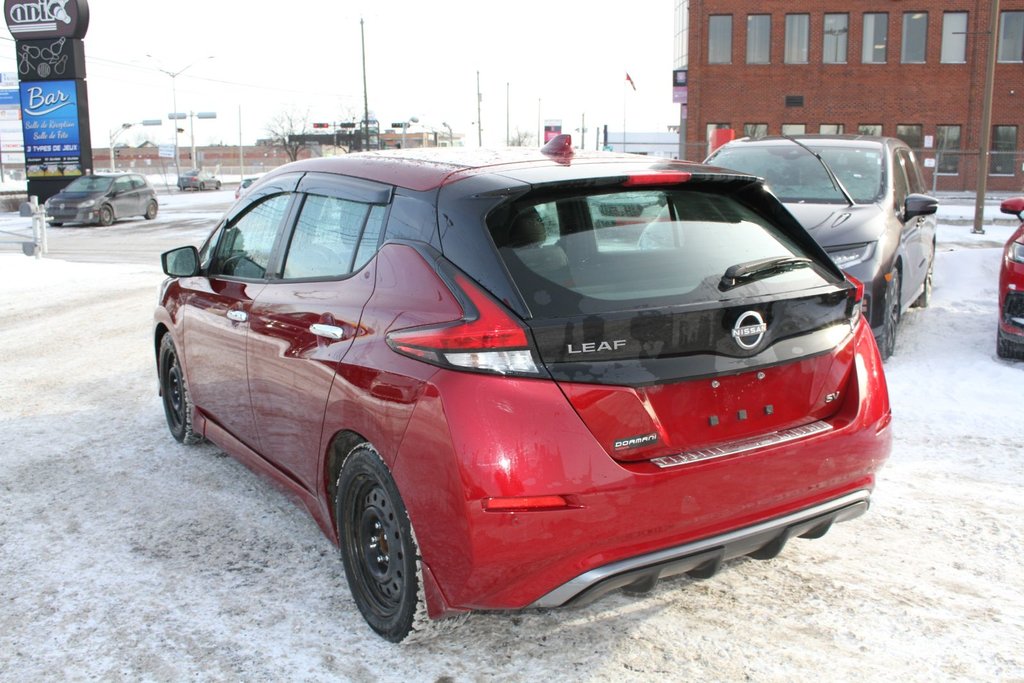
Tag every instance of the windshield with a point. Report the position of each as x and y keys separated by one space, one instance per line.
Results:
x=644 y=249
x=89 y=184
x=795 y=175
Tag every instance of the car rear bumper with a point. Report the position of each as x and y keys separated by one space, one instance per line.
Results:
x=703 y=558
x=623 y=524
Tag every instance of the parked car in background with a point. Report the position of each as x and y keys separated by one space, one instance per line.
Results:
x=863 y=199
x=1010 y=333
x=474 y=344
x=243 y=185
x=103 y=198
x=198 y=180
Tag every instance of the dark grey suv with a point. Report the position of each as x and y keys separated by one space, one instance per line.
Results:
x=103 y=198
x=863 y=199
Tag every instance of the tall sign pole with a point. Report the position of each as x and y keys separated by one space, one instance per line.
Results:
x=54 y=101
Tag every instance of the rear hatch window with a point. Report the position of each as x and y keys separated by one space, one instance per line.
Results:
x=638 y=298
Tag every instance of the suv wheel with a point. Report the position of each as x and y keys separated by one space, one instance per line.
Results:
x=377 y=545
x=891 y=322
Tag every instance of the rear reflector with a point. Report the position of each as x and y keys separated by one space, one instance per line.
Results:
x=524 y=503
x=657 y=178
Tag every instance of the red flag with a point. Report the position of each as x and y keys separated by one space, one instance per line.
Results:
x=630 y=81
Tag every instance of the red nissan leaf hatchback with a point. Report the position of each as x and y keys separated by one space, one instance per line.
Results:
x=504 y=380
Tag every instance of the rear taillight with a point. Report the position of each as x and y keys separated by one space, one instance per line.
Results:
x=486 y=339
x=858 y=296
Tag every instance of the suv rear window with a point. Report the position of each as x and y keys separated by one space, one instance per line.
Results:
x=595 y=253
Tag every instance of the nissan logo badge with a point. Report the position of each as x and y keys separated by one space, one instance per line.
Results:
x=749 y=330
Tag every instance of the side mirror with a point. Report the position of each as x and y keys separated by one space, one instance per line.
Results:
x=1013 y=206
x=180 y=262
x=919 y=205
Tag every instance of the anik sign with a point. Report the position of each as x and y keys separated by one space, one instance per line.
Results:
x=50 y=126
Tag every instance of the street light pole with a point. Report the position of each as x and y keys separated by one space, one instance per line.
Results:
x=176 y=115
x=113 y=136
x=405 y=127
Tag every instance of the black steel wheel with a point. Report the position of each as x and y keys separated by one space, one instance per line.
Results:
x=106 y=216
x=151 y=210
x=377 y=546
x=891 y=322
x=174 y=392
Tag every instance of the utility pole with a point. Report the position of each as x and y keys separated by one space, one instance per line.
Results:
x=986 y=121
x=479 y=123
x=366 y=100
x=508 y=140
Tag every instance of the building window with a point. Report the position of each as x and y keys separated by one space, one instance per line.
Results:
x=797 y=37
x=1004 y=149
x=720 y=39
x=915 y=38
x=794 y=129
x=1011 y=37
x=869 y=129
x=912 y=134
x=759 y=36
x=835 y=31
x=954 y=38
x=831 y=129
x=947 y=139
x=876 y=38
x=755 y=130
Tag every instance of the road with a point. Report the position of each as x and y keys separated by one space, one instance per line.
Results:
x=184 y=218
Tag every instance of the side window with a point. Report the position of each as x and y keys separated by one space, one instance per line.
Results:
x=915 y=182
x=245 y=246
x=326 y=238
x=122 y=184
x=371 y=237
x=137 y=182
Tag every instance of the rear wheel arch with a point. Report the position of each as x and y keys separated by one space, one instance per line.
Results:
x=340 y=448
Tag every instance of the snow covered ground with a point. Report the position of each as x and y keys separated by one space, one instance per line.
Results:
x=125 y=556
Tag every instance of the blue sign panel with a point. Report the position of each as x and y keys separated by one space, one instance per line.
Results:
x=49 y=119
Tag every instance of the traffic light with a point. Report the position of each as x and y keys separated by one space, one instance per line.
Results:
x=321 y=125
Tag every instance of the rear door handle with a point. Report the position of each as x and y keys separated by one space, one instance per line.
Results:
x=238 y=316
x=327 y=331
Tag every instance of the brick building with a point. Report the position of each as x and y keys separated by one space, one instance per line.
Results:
x=890 y=67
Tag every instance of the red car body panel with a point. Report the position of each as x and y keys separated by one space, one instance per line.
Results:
x=618 y=510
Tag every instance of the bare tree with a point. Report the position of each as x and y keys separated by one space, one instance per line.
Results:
x=286 y=131
x=521 y=138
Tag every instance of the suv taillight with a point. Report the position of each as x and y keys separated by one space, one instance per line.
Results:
x=486 y=339
x=858 y=296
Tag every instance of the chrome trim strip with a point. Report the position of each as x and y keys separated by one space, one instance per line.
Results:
x=750 y=444
x=569 y=590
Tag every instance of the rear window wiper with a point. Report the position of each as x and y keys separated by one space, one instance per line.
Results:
x=739 y=273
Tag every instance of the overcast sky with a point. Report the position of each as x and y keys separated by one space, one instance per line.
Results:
x=561 y=60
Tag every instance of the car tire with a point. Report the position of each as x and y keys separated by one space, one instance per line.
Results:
x=202 y=187
x=106 y=215
x=217 y=186
x=1008 y=348
x=377 y=545
x=151 y=210
x=891 y=322
x=925 y=298
x=177 y=400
